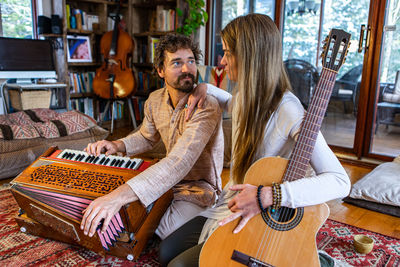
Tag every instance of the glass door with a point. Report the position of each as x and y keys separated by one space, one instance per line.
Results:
x=360 y=118
x=339 y=126
x=306 y=24
x=384 y=135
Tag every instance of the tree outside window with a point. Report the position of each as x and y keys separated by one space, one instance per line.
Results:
x=391 y=52
x=16 y=18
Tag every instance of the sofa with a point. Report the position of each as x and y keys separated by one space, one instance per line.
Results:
x=25 y=135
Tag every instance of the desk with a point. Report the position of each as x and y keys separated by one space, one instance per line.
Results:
x=53 y=93
x=387 y=117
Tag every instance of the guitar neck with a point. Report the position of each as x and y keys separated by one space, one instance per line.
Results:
x=310 y=127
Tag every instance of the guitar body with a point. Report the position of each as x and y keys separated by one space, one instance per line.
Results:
x=286 y=240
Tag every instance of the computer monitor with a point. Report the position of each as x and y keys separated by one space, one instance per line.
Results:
x=26 y=59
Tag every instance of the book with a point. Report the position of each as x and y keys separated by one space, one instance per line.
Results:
x=160 y=18
x=68 y=15
x=153 y=41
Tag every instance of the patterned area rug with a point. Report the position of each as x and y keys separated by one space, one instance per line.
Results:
x=19 y=249
x=336 y=239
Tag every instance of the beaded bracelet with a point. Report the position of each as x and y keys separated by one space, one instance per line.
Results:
x=259 y=198
x=276 y=196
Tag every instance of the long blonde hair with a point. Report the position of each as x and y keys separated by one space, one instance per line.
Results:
x=255 y=42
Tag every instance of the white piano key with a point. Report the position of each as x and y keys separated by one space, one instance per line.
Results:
x=123 y=160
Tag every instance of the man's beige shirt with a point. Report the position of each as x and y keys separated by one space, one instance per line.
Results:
x=194 y=158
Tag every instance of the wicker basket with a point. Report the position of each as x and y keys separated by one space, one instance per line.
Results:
x=29 y=99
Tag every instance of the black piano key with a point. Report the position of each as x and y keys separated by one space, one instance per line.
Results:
x=72 y=156
x=113 y=162
x=117 y=163
x=133 y=165
x=102 y=160
x=127 y=164
x=121 y=162
x=78 y=156
x=107 y=161
x=96 y=159
x=87 y=159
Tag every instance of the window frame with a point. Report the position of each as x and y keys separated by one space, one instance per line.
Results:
x=34 y=12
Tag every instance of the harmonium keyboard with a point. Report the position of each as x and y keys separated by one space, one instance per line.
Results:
x=55 y=189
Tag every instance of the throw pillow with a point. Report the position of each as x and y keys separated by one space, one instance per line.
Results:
x=381 y=185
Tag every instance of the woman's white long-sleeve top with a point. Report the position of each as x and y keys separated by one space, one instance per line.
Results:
x=330 y=180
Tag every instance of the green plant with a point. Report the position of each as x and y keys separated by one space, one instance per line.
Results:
x=197 y=17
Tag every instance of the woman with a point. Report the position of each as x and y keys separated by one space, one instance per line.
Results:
x=266 y=122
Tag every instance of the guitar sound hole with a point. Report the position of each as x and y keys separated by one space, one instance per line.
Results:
x=283 y=219
x=283 y=214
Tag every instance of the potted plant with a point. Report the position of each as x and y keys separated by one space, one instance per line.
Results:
x=193 y=16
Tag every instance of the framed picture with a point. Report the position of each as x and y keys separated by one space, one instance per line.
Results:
x=79 y=48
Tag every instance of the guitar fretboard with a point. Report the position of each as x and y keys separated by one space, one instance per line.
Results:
x=310 y=127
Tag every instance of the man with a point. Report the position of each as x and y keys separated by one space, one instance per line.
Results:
x=194 y=147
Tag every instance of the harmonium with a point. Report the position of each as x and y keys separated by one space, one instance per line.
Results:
x=55 y=189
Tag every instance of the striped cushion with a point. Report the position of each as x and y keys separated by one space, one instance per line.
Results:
x=215 y=76
x=44 y=123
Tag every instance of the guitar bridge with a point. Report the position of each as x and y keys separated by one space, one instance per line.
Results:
x=247 y=260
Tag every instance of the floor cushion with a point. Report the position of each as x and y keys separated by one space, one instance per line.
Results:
x=379 y=190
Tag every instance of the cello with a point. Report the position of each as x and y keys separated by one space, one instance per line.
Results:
x=115 y=79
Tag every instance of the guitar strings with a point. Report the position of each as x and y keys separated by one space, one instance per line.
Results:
x=269 y=234
x=291 y=175
x=261 y=248
x=316 y=104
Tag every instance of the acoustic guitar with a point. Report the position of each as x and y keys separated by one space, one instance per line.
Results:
x=285 y=237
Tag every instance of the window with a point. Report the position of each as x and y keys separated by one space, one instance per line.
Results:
x=16 y=18
x=227 y=10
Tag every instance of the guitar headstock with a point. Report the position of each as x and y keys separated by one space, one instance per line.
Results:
x=335 y=48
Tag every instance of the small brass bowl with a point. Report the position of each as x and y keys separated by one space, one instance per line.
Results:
x=363 y=244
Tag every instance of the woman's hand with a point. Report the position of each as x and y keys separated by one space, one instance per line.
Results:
x=245 y=204
x=104 y=146
x=104 y=208
x=197 y=97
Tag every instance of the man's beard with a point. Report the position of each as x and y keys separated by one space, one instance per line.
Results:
x=187 y=86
